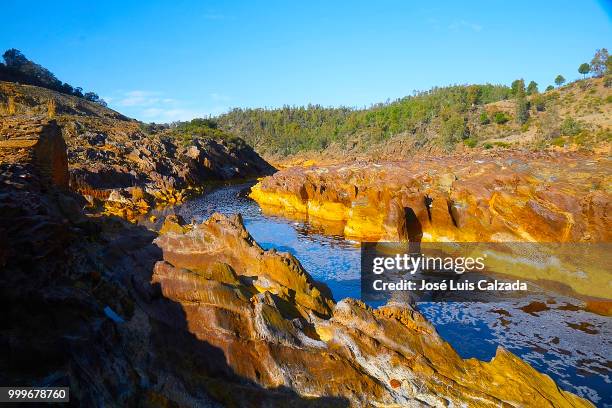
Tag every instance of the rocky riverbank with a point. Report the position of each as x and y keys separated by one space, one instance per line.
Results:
x=516 y=196
x=520 y=196
x=279 y=328
x=201 y=315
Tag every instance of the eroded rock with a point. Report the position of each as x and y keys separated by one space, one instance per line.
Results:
x=539 y=197
x=277 y=329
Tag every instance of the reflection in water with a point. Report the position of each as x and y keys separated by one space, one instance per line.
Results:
x=557 y=338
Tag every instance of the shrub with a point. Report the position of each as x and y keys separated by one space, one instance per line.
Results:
x=570 y=127
x=539 y=102
x=549 y=88
x=558 y=141
x=453 y=130
x=500 y=118
x=470 y=142
x=487 y=145
x=484 y=118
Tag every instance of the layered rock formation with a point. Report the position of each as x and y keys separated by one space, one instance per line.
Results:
x=520 y=196
x=36 y=142
x=78 y=305
x=108 y=152
x=511 y=197
x=277 y=328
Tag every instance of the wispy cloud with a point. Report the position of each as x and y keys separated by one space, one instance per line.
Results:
x=141 y=98
x=162 y=115
x=462 y=24
x=154 y=106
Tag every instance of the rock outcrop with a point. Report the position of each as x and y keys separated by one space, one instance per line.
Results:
x=78 y=305
x=36 y=142
x=277 y=328
x=109 y=152
x=521 y=196
x=514 y=197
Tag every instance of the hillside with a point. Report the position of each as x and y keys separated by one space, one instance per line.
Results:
x=441 y=120
x=122 y=161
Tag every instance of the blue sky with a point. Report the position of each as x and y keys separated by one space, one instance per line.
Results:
x=175 y=60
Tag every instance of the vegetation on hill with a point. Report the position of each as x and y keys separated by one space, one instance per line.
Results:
x=442 y=117
x=186 y=133
x=17 y=68
x=292 y=129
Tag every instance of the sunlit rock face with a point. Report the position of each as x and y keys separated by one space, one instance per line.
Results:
x=490 y=197
x=279 y=328
x=520 y=196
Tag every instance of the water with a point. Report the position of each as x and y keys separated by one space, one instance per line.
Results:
x=573 y=346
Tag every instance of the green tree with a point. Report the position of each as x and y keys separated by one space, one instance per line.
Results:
x=13 y=58
x=515 y=86
x=453 y=130
x=532 y=88
x=559 y=80
x=584 y=69
x=539 y=102
x=549 y=88
x=474 y=93
x=521 y=103
x=598 y=63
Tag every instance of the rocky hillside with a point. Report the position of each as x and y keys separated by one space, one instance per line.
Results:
x=203 y=316
x=108 y=152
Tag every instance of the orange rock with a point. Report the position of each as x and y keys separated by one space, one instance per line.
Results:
x=278 y=328
x=540 y=197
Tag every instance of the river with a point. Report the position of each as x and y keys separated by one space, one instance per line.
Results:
x=571 y=345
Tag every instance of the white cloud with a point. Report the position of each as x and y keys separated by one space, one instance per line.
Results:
x=160 y=115
x=461 y=24
x=138 y=98
x=153 y=106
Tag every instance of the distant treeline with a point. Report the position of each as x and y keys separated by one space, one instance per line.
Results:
x=17 y=68
x=289 y=130
x=444 y=116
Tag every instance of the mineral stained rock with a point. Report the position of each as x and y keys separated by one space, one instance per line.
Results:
x=497 y=197
x=38 y=143
x=205 y=317
x=278 y=328
x=518 y=196
x=78 y=306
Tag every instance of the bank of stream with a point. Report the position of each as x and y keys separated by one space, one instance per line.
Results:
x=548 y=330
